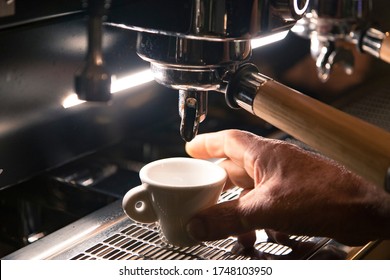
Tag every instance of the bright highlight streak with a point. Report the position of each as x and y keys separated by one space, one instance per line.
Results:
x=130 y=81
x=71 y=100
x=257 y=43
x=117 y=85
x=297 y=28
x=146 y=76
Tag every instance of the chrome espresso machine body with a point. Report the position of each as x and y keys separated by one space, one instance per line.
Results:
x=65 y=164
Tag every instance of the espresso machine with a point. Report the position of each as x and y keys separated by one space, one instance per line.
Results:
x=208 y=50
x=198 y=50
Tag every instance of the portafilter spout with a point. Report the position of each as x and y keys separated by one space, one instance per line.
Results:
x=192 y=110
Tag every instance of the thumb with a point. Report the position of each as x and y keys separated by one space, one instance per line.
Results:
x=221 y=221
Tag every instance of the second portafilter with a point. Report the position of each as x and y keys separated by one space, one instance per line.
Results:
x=329 y=24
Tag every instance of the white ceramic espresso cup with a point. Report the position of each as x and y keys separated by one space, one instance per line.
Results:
x=172 y=191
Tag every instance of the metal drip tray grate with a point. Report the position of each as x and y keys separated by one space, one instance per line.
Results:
x=142 y=241
x=373 y=107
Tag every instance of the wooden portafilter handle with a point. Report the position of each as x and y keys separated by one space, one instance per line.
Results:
x=358 y=145
x=385 y=49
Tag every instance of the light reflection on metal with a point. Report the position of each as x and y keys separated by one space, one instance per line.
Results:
x=146 y=76
x=117 y=85
x=257 y=43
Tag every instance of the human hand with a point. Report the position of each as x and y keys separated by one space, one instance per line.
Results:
x=287 y=189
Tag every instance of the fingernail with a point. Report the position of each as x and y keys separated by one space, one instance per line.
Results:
x=196 y=228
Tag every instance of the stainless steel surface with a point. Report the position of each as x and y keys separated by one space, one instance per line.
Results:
x=242 y=87
x=213 y=20
x=109 y=234
x=139 y=241
x=216 y=41
x=191 y=65
x=38 y=64
x=190 y=53
x=79 y=233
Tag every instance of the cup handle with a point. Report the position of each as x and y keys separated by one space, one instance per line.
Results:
x=137 y=205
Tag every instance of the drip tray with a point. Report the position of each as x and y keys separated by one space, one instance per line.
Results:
x=109 y=234
x=143 y=241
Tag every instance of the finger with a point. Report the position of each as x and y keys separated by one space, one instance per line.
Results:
x=233 y=144
x=247 y=240
x=237 y=176
x=231 y=218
